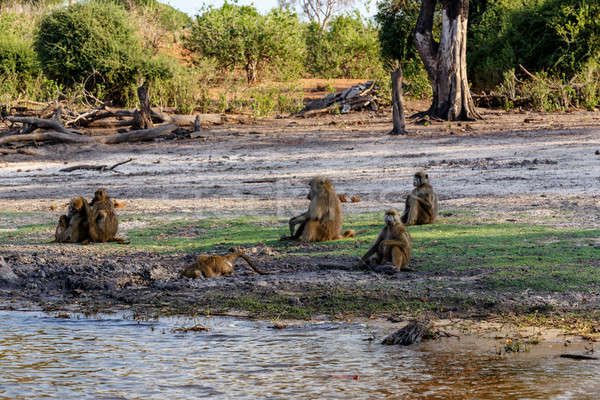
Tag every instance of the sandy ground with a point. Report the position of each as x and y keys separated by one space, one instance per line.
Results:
x=522 y=166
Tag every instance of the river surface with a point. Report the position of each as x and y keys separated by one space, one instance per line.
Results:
x=114 y=357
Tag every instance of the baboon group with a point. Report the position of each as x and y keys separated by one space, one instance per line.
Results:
x=97 y=221
x=85 y=222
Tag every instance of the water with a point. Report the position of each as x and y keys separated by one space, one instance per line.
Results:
x=112 y=357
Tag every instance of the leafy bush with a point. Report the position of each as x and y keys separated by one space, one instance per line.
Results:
x=348 y=48
x=95 y=43
x=558 y=36
x=18 y=56
x=238 y=36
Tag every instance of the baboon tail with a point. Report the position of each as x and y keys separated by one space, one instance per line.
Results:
x=258 y=271
x=120 y=240
x=349 y=233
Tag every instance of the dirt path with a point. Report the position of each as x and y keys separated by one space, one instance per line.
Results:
x=534 y=165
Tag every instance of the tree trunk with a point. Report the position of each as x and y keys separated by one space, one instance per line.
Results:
x=446 y=61
x=397 y=104
x=142 y=119
x=251 y=71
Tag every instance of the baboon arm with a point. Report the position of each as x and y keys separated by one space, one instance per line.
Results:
x=425 y=203
x=375 y=246
x=300 y=219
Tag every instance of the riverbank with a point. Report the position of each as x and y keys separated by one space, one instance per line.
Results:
x=518 y=237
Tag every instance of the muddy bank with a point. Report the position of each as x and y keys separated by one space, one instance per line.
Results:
x=526 y=168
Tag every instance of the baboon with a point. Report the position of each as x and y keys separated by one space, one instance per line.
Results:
x=103 y=222
x=210 y=266
x=323 y=220
x=74 y=227
x=392 y=244
x=422 y=203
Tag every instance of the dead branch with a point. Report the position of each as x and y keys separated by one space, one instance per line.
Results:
x=354 y=98
x=30 y=124
x=18 y=151
x=142 y=118
x=101 y=168
x=137 y=136
x=43 y=136
x=412 y=333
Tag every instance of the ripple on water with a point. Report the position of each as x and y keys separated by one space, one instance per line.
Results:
x=113 y=357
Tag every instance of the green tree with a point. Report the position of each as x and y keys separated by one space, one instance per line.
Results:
x=348 y=48
x=95 y=43
x=238 y=36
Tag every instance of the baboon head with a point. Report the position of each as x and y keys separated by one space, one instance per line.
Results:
x=76 y=205
x=318 y=185
x=392 y=217
x=100 y=195
x=420 y=178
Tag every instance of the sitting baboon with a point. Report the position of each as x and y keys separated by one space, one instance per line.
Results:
x=422 y=203
x=210 y=266
x=392 y=244
x=74 y=227
x=323 y=220
x=103 y=222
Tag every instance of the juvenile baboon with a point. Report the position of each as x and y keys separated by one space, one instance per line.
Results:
x=74 y=227
x=210 y=266
x=103 y=222
x=392 y=244
x=323 y=220
x=422 y=204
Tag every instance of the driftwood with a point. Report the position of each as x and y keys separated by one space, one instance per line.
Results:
x=142 y=119
x=411 y=333
x=397 y=104
x=133 y=136
x=18 y=151
x=354 y=98
x=578 y=357
x=30 y=124
x=137 y=136
x=101 y=168
x=43 y=136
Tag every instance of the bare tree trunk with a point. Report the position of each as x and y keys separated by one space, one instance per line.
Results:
x=142 y=119
x=251 y=71
x=446 y=61
x=397 y=104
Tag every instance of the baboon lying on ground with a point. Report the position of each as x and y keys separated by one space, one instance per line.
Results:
x=392 y=244
x=422 y=204
x=323 y=220
x=74 y=227
x=210 y=266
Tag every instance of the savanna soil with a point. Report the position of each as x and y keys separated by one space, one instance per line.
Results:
x=511 y=167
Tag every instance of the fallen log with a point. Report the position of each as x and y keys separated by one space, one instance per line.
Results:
x=137 y=136
x=43 y=136
x=413 y=332
x=354 y=98
x=39 y=123
x=101 y=168
x=18 y=151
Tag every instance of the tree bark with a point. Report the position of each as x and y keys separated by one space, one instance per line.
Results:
x=142 y=119
x=446 y=61
x=138 y=136
x=397 y=104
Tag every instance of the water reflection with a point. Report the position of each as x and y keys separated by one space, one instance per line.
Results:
x=116 y=358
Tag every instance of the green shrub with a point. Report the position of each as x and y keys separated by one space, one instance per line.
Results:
x=18 y=56
x=95 y=43
x=557 y=36
x=348 y=48
x=239 y=37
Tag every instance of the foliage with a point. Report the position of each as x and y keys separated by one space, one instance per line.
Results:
x=348 y=48
x=238 y=36
x=566 y=32
x=95 y=43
